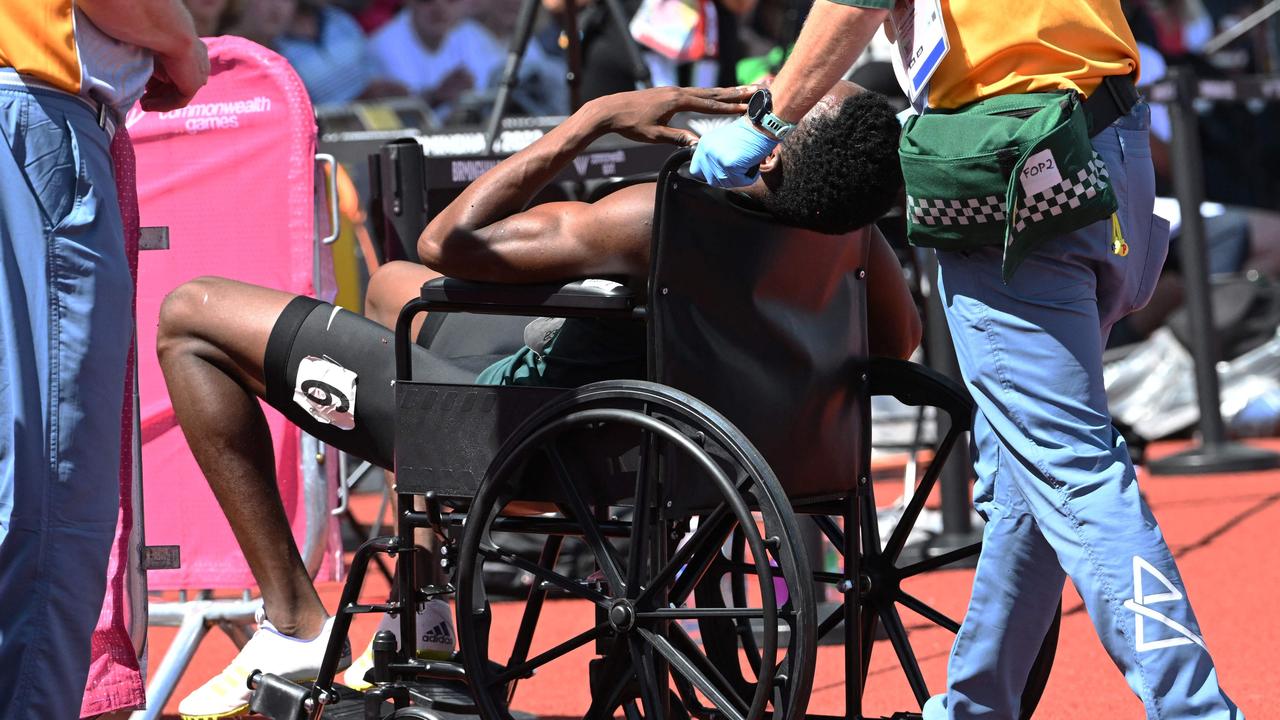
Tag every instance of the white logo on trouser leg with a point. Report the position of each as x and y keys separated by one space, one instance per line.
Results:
x=1140 y=605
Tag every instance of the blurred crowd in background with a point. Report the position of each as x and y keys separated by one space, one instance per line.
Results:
x=450 y=54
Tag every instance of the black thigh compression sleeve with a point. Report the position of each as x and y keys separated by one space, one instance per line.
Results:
x=309 y=328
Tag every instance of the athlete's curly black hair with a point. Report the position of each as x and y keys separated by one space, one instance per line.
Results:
x=840 y=169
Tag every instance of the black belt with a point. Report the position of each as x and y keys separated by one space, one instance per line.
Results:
x=1112 y=100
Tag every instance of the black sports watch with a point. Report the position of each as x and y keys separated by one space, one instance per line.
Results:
x=760 y=112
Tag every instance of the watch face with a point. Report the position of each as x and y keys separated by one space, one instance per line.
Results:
x=759 y=105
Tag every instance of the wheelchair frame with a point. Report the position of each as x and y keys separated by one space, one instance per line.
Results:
x=870 y=581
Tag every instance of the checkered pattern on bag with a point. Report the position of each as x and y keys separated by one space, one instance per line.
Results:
x=956 y=212
x=1066 y=195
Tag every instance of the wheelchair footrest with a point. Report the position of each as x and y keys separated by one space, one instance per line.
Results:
x=350 y=705
x=434 y=699
x=277 y=698
x=444 y=699
x=449 y=696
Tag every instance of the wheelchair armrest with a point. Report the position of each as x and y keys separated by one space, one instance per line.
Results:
x=580 y=298
x=914 y=384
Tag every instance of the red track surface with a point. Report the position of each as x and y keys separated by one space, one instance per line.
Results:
x=1222 y=529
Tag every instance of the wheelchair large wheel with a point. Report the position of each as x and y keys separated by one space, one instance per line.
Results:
x=886 y=574
x=639 y=609
x=885 y=590
x=733 y=644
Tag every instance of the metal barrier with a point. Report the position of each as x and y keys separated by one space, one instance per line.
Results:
x=1214 y=454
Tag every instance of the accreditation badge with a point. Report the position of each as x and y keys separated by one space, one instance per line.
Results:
x=921 y=38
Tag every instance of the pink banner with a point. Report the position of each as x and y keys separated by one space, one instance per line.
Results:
x=231 y=177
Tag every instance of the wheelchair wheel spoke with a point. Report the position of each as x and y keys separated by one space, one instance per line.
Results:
x=701 y=538
x=603 y=704
x=541 y=573
x=533 y=603
x=867 y=636
x=831 y=622
x=641 y=517
x=681 y=641
x=600 y=547
x=696 y=613
x=526 y=668
x=906 y=656
x=692 y=573
x=828 y=526
x=910 y=514
x=939 y=561
x=688 y=697
x=686 y=668
x=652 y=695
x=928 y=612
x=906 y=522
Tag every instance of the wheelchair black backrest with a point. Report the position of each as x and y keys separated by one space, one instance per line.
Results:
x=767 y=324
x=763 y=322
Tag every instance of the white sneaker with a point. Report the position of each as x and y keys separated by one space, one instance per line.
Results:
x=227 y=694
x=435 y=642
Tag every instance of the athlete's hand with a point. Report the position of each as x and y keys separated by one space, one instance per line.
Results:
x=643 y=115
x=177 y=78
x=729 y=155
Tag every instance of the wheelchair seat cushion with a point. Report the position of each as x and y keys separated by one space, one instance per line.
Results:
x=331 y=371
x=571 y=352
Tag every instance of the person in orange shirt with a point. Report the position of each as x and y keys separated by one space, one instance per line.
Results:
x=68 y=72
x=1055 y=482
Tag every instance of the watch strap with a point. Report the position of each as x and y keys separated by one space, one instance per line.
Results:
x=776 y=126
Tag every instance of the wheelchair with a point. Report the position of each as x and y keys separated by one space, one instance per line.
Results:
x=687 y=488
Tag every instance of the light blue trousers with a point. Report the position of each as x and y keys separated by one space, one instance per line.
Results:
x=1055 y=483
x=65 y=327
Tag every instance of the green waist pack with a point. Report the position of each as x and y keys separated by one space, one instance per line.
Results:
x=1009 y=171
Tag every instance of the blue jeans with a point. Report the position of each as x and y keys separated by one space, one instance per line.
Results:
x=1055 y=483
x=65 y=328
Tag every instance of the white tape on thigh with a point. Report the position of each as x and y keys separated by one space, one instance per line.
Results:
x=327 y=391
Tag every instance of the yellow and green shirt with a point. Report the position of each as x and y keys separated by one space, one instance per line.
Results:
x=1028 y=46
x=53 y=42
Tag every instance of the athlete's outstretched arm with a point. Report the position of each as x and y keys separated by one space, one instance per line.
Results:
x=484 y=235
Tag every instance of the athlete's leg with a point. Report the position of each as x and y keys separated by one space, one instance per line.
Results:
x=393 y=285
x=212 y=339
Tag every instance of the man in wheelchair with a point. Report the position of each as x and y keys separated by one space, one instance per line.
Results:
x=224 y=344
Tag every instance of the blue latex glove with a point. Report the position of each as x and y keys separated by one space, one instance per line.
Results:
x=729 y=155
